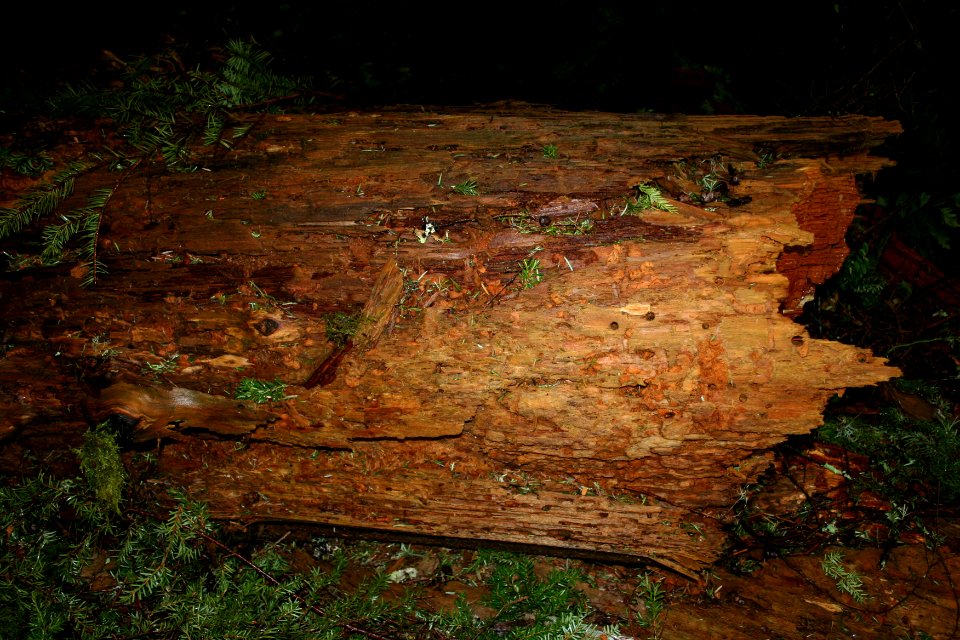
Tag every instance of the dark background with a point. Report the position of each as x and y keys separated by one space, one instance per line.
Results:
x=895 y=59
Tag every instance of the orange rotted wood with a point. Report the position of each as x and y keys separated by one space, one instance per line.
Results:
x=608 y=398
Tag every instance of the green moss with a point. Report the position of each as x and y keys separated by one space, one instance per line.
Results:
x=102 y=466
x=342 y=326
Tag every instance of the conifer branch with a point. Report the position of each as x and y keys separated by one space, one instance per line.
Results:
x=162 y=111
x=40 y=202
x=269 y=578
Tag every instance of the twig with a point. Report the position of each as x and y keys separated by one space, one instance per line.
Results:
x=269 y=578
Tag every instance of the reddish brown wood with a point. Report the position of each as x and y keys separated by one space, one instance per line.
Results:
x=613 y=407
x=913 y=593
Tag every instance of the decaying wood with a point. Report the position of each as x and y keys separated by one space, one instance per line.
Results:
x=614 y=407
x=913 y=594
x=376 y=313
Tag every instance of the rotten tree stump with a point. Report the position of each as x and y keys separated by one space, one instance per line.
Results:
x=614 y=406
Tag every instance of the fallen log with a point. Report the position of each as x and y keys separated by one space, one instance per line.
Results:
x=571 y=330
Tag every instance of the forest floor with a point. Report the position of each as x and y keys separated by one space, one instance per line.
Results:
x=908 y=589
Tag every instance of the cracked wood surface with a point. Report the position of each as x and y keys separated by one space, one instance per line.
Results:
x=616 y=406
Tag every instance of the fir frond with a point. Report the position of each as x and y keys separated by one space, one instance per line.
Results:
x=55 y=239
x=41 y=202
x=99 y=198
x=213 y=132
x=656 y=200
x=13 y=221
x=95 y=269
x=89 y=234
x=246 y=79
x=241 y=130
x=162 y=109
x=83 y=224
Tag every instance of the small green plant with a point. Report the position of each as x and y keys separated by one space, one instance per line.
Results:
x=260 y=391
x=709 y=183
x=551 y=151
x=647 y=197
x=466 y=188
x=268 y=301
x=569 y=227
x=518 y=482
x=907 y=453
x=527 y=606
x=260 y=194
x=521 y=223
x=341 y=327
x=520 y=596
x=564 y=227
x=167 y=365
x=928 y=223
x=847 y=581
x=653 y=600
x=860 y=276
x=766 y=156
x=693 y=530
x=17 y=261
x=100 y=347
x=530 y=274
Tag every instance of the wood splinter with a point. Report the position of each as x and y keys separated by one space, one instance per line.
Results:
x=374 y=318
x=327 y=371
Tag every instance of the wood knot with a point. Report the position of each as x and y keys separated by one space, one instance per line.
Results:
x=267 y=326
